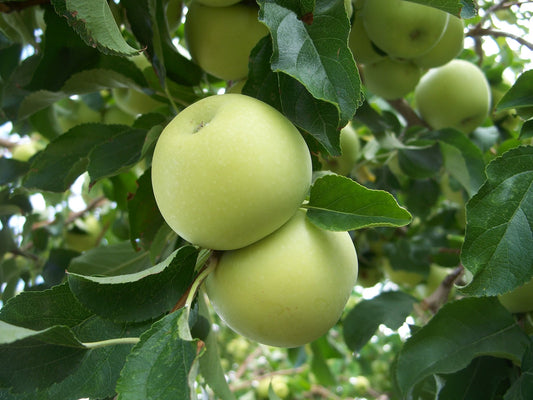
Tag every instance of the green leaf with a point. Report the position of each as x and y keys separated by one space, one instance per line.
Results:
x=522 y=388
x=117 y=154
x=209 y=362
x=11 y=169
x=526 y=131
x=139 y=296
x=420 y=161
x=498 y=247
x=314 y=50
x=341 y=204
x=94 y=22
x=67 y=157
x=458 y=333
x=485 y=378
x=320 y=368
x=112 y=260
x=160 y=365
x=32 y=359
x=39 y=310
x=361 y=323
x=145 y=220
x=520 y=95
x=462 y=158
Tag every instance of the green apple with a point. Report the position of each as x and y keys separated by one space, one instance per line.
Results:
x=115 y=115
x=134 y=102
x=435 y=277
x=519 y=300
x=455 y=95
x=447 y=48
x=70 y=113
x=229 y=170
x=279 y=386
x=236 y=87
x=350 y=150
x=401 y=28
x=287 y=289
x=173 y=14
x=391 y=79
x=84 y=235
x=217 y=3
x=220 y=39
x=363 y=50
x=361 y=384
x=401 y=277
x=25 y=151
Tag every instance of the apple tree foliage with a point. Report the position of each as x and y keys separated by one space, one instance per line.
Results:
x=108 y=310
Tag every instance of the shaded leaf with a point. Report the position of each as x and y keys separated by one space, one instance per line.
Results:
x=112 y=260
x=139 y=296
x=520 y=95
x=498 y=247
x=32 y=359
x=361 y=323
x=94 y=22
x=485 y=378
x=458 y=333
x=339 y=203
x=159 y=365
x=522 y=388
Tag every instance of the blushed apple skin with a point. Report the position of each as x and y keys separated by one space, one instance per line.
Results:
x=455 y=95
x=289 y=288
x=519 y=300
x=220 y=39
x=401 y=28
x=229 y=170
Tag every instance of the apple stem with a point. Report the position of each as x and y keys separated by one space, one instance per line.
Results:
x=212 y=262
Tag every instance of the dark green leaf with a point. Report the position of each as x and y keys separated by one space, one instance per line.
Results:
x=320 y=368
x=339 y=203
x=485 y=378
x=160 y=365
x=498 y=247
x=520 y=95
x=140 y=296
x=32 y=359
x=422 y=162
x=10 y=170
x=450 y=6
x=94 y=22
x=315 y=52
x=522 y=388
x=64 y=159
x=112 y=260
x=462 y=158
x=145 y=220
x=117 y=154
x=389 y=308
x=458 y=333
x=527 y=130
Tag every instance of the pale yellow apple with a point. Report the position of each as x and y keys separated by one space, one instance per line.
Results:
x=391 y=79
x=229 y=170
x=220 y=39
x=401 y=28
x=135 y=102
x=287 y=289
x=447 y=48
x=361 y=46
x=401 y=277
x=350 y=151
x=455 y=95
x=520 y=299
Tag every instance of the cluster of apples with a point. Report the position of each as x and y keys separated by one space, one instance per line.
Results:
x=402 y=46
x=395 y=40
x=231 y=173
x=220 y=35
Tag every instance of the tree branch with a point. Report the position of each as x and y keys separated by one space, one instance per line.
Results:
x=405 y=110
x=478 y=32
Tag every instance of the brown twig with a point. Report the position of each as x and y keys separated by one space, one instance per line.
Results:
x=407 y=112
x=436 y=299
x=479 y=32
